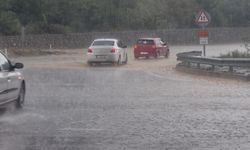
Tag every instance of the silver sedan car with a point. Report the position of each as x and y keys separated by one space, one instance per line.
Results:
x=107 y=51
x=12 y=83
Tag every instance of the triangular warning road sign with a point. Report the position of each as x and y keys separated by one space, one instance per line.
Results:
x=203 y=18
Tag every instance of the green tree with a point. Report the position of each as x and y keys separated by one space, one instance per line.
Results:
x=63 y=16
x=8 y=22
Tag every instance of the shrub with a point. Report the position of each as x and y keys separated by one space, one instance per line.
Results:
x=235 y=54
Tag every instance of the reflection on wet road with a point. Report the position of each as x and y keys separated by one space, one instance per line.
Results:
x=116 y=108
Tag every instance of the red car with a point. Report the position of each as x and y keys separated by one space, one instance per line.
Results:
x=146 y=47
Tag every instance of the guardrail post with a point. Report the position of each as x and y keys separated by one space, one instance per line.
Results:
x=213 y=67
x=198 y=66
x=231 y=69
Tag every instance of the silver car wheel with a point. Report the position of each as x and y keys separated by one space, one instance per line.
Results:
x=119 y=62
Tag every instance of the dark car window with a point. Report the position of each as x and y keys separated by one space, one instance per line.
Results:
x=120 y=44
x=145 y=42
x=4 y=63
x=103 y=43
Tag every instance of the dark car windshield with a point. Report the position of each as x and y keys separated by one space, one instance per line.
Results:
x=103 y=43
x=145 y=42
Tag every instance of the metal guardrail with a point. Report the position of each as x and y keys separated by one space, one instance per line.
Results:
x=194 y=57
x=186 y=54
x=4 y=51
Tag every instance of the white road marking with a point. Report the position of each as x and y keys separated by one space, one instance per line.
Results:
x=79 y=129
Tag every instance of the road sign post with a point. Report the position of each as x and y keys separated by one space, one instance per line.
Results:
x=203 y=35
x=203 y=19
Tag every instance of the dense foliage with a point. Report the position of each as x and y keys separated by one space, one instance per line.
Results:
x=63 y=16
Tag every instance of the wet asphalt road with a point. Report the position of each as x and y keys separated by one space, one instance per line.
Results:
x=115 y=108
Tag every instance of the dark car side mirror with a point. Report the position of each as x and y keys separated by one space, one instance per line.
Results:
x=165 y=43
x=18 y=66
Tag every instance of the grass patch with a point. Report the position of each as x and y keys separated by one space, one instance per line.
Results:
x=236 y=54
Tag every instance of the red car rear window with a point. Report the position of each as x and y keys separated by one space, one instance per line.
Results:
x=145 y=42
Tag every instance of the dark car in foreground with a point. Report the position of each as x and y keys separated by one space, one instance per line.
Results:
x=146 y=47
x=12 y=83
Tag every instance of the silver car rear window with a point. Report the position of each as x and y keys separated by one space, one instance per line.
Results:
x=103 y=43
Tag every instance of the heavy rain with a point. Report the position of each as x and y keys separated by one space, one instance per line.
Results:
x=79 y=98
